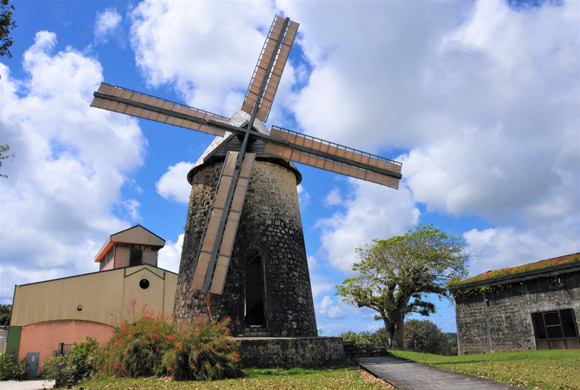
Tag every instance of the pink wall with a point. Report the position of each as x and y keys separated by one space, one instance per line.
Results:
x=44 y=337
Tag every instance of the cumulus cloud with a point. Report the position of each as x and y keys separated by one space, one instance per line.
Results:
x=207 y=50
x=485 y=99
x=173 y=184
x=329 y=309
x=169 y=256
x=107 y=23
x=58 y=204
x=370 y=211
x=501 y=247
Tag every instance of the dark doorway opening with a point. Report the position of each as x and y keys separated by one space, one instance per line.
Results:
x=255 y=288
x=555 y=329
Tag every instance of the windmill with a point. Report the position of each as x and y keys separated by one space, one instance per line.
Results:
x=243 y=137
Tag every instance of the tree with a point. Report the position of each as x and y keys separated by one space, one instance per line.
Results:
x=394 y=275
x=6 y=25
x=5 y=313
x=424 y=336
x=4 y=154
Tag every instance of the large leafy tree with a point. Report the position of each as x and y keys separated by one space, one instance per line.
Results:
x=394 y=276
x=6 y=26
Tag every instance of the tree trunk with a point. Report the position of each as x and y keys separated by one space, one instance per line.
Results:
x=395 y=326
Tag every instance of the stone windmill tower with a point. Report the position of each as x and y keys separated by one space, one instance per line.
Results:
x=243 y=253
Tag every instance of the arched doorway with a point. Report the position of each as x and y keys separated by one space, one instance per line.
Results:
x=255 y=289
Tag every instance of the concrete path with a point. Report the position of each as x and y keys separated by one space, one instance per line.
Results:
x=407 y=375
x=27 y=385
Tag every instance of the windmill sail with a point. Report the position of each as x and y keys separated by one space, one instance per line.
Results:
x=218 y=240
x=273 y=57
x=335 y=158
x=125 y=101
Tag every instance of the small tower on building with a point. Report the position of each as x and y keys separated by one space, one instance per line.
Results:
x=128 y=248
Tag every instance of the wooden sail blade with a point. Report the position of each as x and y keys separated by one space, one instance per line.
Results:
x=232 y=223
x=277 y=70
x=206 y=267
x=125 y=101
x=270 y=66
x=210 y=237
x=335 y=158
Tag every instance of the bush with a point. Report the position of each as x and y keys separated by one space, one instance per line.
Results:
x=358 y=338
x=11 y=368
x=151 y=345
x=424 y=336
x=69 y=370
x=60 y=369
x=83 y=359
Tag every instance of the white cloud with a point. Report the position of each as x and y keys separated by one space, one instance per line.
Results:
x=173 y=184
x=170 y=255
x=501 y=247
x=303 y=197
x=483 y=97
x=329 y=309
x=333 y=198
x=72 y=160
x=107 y=22
x=320 y=284
x=208 y=50
x=371 y=211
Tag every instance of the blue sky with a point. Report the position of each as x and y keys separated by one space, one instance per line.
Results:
x=480 y=100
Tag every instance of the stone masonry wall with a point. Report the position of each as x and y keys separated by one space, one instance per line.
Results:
x=504 y=322
x=305 y=352
x=271 y=226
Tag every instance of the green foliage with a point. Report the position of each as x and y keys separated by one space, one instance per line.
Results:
x=394 y=275
x=424 y=336
x=4 y=154
x=5 y=310
x=151 y=345
x=546 y=370
x=360 y=338
x=69 y=370
x=60 y=369
x=83 y=358
x=6 y=25
x=11 y=369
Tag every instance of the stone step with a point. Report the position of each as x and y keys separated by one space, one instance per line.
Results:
x=256 y=331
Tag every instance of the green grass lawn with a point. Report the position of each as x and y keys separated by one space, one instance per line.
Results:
x=343 y=376
x=559 y=369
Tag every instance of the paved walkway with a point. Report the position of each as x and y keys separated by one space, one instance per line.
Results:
x=27 y=385
x=407 y=375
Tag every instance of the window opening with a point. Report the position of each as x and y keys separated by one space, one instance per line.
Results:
x=555 y=329
x=135 y=257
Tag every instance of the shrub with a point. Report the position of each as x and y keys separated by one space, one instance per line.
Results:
x=60 y=369
x=151 y=345
x=69 y=370
x=11 y=368
x=424 y=336
x=358 y=338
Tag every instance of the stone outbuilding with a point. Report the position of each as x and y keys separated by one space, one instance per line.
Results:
x=528 y=307
x=50 y=316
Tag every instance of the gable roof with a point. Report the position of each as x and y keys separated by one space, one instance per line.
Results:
x=137 y=235
x=529 y=270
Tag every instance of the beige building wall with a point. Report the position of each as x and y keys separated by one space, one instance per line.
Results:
x=98 y=297
x=70 y=309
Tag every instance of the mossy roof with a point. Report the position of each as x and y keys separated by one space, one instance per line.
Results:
x=514 y=272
